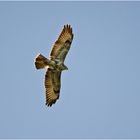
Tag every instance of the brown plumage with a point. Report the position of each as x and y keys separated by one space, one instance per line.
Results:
x=62 y=44
x=55 y=65
x=52 y=85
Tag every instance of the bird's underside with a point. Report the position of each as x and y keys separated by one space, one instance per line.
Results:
x=55 y=65
x=43 y=62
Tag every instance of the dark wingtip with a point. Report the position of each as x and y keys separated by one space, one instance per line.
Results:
x=69 y=28
x=49 y=104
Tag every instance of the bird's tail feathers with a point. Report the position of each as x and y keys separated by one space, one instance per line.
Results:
x=40 y=61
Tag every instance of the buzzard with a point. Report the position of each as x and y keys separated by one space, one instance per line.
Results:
x=55 y=64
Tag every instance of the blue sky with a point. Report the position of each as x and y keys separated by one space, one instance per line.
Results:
x=100 y=93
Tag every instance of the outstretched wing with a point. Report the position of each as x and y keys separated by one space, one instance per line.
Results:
x=62 y=45
x=52 y=85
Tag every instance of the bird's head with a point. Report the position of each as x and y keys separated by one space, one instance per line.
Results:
x=64 y=67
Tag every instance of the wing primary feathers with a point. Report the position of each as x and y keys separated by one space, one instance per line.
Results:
x=62 y=44
x=52 y=86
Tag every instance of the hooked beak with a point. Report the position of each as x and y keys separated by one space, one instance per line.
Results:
x=65 y=67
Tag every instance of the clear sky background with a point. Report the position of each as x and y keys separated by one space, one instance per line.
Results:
x=100 y=93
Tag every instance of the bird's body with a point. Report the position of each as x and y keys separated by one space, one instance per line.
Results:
x=55 y=65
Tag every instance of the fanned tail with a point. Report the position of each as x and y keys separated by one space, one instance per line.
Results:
x=41 y=61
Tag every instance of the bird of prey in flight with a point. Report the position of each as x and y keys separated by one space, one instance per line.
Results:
x=55 y=64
